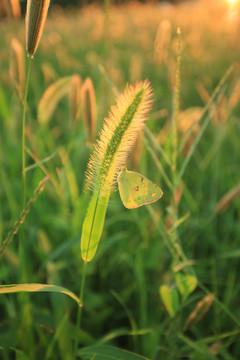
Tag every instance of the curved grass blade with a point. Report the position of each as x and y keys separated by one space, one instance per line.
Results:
x=51 y=97
x=16 y=288
x=40 y=162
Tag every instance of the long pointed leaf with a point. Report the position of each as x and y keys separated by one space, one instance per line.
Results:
x=92 y=227
x=15 y=288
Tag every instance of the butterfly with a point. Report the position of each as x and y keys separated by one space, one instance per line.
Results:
x=136 y=190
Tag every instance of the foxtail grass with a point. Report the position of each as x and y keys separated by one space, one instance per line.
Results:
x=162 y=42
x=117 y=138
x=88 y=103
x=75 y=96
x=13 y=8
x=17 y=66
x=35 y=19
x=51 y=97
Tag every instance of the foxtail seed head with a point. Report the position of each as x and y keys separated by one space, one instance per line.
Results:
x=88 y=101
x=17 y=65
x=117 y=138
x=74 y=96
x=35 y=19
x=12 y=8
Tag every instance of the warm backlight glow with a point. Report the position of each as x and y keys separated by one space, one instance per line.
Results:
x=232 y=1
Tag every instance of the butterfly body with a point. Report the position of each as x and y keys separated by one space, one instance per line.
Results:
x=137 y=190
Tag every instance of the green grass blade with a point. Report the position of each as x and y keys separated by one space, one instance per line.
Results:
x=16 y=288
x=4 y=109
x=108 y=353
x=216 y=97
x=196 y=346
x=40 y=162
x=93 y=226
x=155 y=145
x=158 y=164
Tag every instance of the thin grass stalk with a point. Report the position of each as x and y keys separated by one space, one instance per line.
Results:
x=23 y=137
x=152 y=139
x=80 y=308
x=198 y=137
x=44 y=169
x=173 y=235
x=158 y=164
x=210 y=106
x=112 y=86
x=81 y=295
x=176 y=110
x=26 y=319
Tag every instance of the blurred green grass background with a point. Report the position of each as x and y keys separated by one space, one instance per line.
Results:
x=122 y=304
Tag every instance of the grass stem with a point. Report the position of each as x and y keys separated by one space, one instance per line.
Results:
x=26 y=314
x=23 y=135
x=79 y=314
x=176 y=110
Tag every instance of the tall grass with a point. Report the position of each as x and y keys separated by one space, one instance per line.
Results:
x=163 y=280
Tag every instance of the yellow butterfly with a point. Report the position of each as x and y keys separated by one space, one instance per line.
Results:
x=136 y=190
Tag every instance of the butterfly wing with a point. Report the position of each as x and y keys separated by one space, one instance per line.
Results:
x=136 y=190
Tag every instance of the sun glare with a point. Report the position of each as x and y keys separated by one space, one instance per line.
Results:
x=232 y=1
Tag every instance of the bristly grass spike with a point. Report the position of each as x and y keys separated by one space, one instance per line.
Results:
x=35 y=19
x=116 y=140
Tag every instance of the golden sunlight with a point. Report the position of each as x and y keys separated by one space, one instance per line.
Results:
x=232 y=1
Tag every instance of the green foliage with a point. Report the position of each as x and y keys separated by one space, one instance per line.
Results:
x=170 y=299
x=181 y=240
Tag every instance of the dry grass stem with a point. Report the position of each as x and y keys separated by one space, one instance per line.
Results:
x=228 y=199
